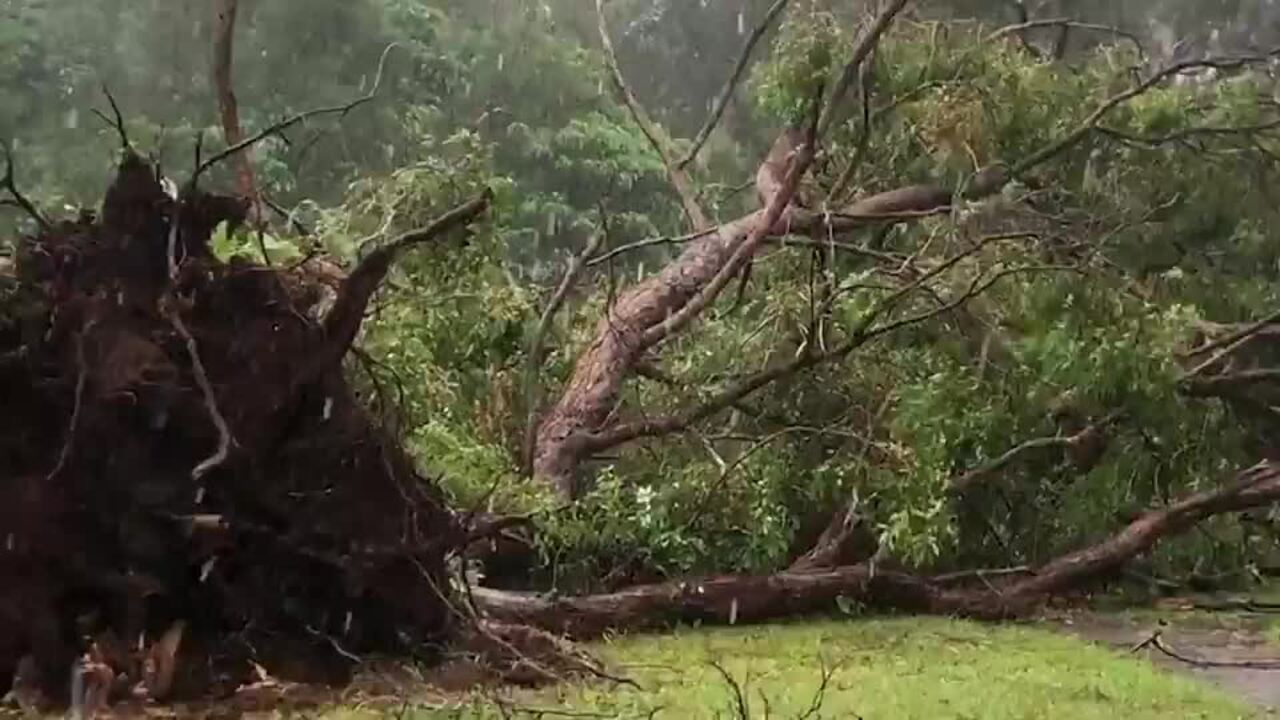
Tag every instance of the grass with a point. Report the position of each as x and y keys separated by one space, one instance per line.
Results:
x=883 y=669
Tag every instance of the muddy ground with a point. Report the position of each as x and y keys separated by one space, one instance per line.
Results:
x=1230 y=637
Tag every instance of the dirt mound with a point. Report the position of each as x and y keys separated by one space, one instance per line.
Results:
x=310 y=541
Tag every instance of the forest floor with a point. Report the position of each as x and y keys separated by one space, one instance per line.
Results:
x=904 y=668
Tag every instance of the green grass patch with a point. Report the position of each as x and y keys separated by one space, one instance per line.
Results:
x=892 y=669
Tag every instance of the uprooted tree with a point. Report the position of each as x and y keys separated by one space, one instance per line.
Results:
x=593 y=417
x=184 y=460
x=180 y=448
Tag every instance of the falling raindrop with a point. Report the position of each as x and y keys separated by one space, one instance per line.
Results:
x=742 y=22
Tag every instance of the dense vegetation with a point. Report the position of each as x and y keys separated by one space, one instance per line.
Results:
x=1117 y=255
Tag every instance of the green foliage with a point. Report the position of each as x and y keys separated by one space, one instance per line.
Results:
x=804 y=56
x=1164 y=235
x=247 y=244
x=881 y=669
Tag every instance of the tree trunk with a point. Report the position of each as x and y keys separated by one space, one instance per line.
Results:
x=228 y=109
x=732 y=599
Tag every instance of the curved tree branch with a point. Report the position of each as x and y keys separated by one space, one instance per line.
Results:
x=577 y=264
x=342 y=323
x=657 y=137
x=864 y=47
x=731 y=85
x=8 y=183
x=279 y=127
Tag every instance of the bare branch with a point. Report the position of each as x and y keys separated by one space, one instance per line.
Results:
x=1229 y=343
x=741 y=708
x=1157 y=641
x=20 y=200
x=225 y=440
x=657 y=138
x=289 y=122
x=534 y=362
x=764 y=227
x=117 y=122
x=969 y=479
x=342 y=323
x=1025 y=25
x=649 y=242
x=864 y=47
x=731 y=84
x=1214 y=384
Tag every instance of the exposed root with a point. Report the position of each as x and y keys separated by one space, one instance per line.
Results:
x=137 y=356
x=219 y=455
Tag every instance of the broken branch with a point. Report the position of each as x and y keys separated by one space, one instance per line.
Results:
x=289 y=122
x=577 y=264
x=759 y=598
x=342 y=323
x=19 y=199
x=675 y=171
x=731 y=85
x=864 y=47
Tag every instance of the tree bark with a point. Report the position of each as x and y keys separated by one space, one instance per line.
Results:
x=228 y=108
x=733 y=599
x=643 y=316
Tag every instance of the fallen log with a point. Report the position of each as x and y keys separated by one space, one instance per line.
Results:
x=741 y=599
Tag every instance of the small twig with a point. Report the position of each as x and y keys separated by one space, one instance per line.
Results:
x=649 y=242
x=820 y=696
x=680 y=180
x=968 y=479
x=1157 y=641
x=289 y=122
x=739 y=697
x=1018 y=28
x=19 y=199
x=726 y=94
x=118 y=122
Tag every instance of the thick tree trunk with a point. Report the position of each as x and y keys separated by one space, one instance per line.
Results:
x=597 y=380
x=629 y=330
x=735 y=599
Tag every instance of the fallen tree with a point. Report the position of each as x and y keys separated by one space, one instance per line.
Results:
x=590 y=418
x=733 y=599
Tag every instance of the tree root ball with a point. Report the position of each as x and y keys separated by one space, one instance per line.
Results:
x=310 y=542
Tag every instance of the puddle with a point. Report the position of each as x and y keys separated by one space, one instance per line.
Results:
x=1231 y=637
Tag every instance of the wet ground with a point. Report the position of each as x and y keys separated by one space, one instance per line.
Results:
x=1232 y=637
